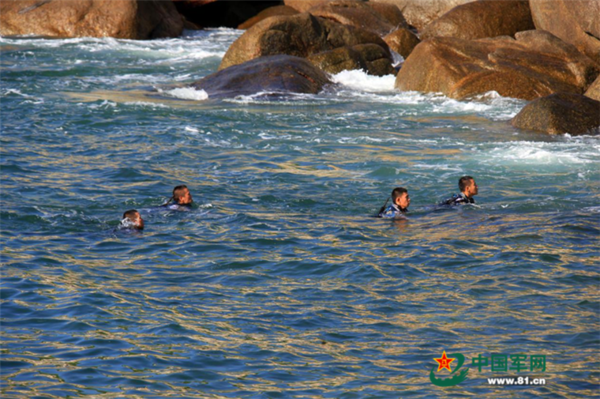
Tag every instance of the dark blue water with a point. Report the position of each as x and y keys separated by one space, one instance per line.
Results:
x=278 y=283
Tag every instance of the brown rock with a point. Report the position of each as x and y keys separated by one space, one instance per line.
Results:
x=536 y=64
x=419 y=13
x=299 y=35
x=124 y=19
x=390 y=13
x=275 y=74
x=354 y=13
x=402 y=41
x=481 y=19
x=303 y=5
x=369 y=57
x=266 y=13
x=594 y=90
x=560 y=113
x=574 y=21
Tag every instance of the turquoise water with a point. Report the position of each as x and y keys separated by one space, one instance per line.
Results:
x=279 y=283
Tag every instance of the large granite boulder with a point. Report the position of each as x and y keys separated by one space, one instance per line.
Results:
x=274 y=74
x=533 y=65
x=574 y=21
x=222 y=13
x=390 y=13
x=481 y=19
x=402 y=41
x=267 y=13
x=299 y=35
x=123 y=19
x=594 y=90
x=355 y=13
x=560 y=113
x=369 y=57
x=419 y=13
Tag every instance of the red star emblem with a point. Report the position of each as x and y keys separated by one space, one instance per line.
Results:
x=444 y=362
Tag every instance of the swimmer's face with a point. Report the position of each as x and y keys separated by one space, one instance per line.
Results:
x=403 y=201
x=472 y=189
x=185 y=198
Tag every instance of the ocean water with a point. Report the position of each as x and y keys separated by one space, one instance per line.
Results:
x=279 y=283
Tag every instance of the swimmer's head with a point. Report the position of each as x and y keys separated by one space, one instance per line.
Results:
x=401 y=198
x=182 y=196
x=132 y=220
x=467 y=186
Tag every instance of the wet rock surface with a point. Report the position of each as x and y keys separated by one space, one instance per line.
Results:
x=273 y=74
x=560 y=113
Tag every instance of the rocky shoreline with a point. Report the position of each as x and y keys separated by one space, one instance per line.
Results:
x=543 y=51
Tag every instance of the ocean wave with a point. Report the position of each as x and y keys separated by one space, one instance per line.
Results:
x=357 y=85
x=542 y=153
x=211 y=43
x=359 y=80
x=145 y=104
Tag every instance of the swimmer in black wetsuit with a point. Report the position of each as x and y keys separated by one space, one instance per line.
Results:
x=468 y=189
x=181 y=199
x=132 y=220
x=399 y=206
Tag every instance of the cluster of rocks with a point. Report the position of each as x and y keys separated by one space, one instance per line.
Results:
x=544 y=51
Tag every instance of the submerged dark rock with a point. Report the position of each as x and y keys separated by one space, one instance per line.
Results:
x=560 y=113
x=278 y=74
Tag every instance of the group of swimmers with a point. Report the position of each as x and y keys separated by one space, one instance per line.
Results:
x=401 y=199
x=182 y=200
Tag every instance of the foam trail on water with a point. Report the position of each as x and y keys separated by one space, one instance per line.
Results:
x=187 y=93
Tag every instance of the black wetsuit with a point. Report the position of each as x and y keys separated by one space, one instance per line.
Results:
x=176 y=207
x=458 y=199
x=392 y=212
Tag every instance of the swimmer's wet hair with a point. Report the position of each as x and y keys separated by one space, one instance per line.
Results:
x=463 y=182
x=179 y=191
x=398 y=192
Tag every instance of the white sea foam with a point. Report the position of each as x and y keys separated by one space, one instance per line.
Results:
x=278 y=97
x=127 y=224
x=103 y=105
x=360 y=80
x=357 y=85
x=210 y=43
x=146 y=104
x=543 y=153
x=191 y=130
x=187 y=93
x=15 y=92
